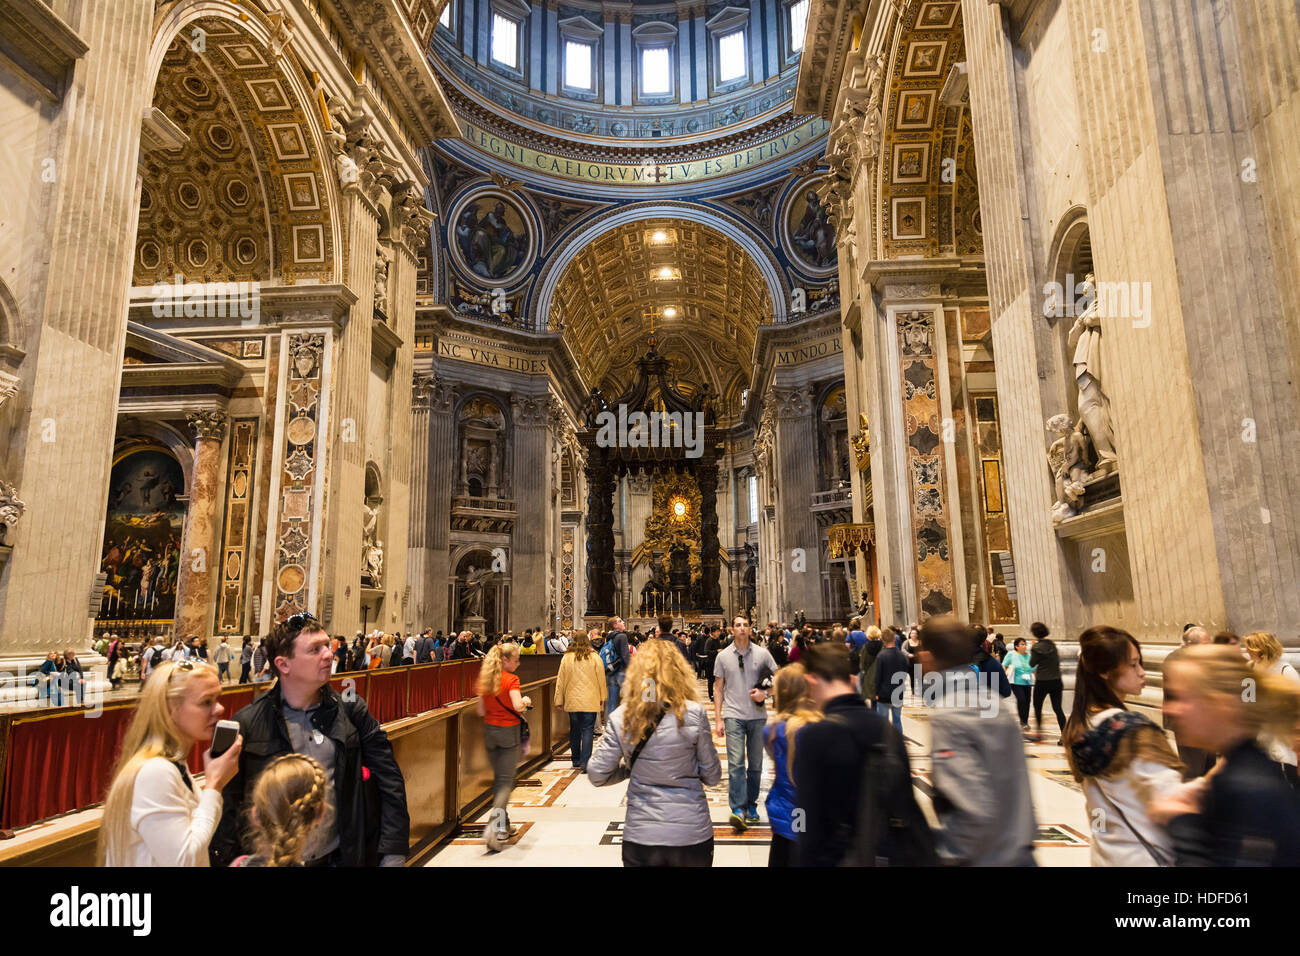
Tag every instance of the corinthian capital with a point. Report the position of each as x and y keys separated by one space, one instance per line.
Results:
x=793 y=402
x=207 y=425
x=530 y=411
x=432 y=393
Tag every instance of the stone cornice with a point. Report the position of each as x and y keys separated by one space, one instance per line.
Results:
x=36 y=39
x=767 y=339
x=900 y=280
x=278 y=305
x=636 y=152
x=395 y=54
x=221 y=378
x=826 y=51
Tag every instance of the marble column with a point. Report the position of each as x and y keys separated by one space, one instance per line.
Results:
x=434 y=435
x=796 y=449
x=710 y=564
x=197 y=574
x=340 y=576
x=529 y=600
x=75 y=240
x=417 y=538
x=397 y=443
x=600 y=537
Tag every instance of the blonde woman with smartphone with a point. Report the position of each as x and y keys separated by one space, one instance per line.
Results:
x=155 y=813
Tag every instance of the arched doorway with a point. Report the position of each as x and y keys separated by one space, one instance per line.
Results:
x=481 y=594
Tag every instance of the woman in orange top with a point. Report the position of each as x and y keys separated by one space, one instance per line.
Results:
x=501 y=705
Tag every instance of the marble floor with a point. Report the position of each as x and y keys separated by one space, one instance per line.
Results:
x=564 y=821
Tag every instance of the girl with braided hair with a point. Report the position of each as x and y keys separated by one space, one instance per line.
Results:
x=288 y=803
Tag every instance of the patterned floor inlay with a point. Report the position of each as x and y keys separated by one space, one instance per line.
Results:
x=723 y=835
x=471 y=834
x=544 y=789
x=1063 y=777
x=1059 y=834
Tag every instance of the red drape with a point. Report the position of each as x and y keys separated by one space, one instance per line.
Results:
x=424 y=689
x=59 y=763
x=386 y=696
x=469 y=678
x=63 y=761
x=358 y=683
x=449 y=682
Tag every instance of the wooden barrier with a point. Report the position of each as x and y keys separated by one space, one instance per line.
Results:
x=439 y=749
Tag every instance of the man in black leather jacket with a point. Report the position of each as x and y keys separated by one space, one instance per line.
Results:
x=366 y=816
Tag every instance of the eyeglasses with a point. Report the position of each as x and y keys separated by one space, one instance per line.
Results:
x=299 y=620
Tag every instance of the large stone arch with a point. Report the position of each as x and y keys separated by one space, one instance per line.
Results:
x=12 y=340
x=735 y=228
x=281 y=124
x=918 y=210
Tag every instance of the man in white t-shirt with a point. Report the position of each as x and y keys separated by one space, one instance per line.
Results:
x=740 y=714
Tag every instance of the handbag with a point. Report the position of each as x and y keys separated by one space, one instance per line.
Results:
x=524 y=732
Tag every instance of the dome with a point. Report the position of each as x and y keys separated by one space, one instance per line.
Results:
x=638 y=72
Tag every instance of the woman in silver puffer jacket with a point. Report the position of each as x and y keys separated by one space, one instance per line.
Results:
x=662 y=733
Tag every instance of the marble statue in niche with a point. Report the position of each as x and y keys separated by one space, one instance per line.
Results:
x=1094 y=406
x=372 y=549
x=381 y=281
x=471 y=595
x=1068 y=459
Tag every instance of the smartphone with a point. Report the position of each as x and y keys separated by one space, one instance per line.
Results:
x=224 y=737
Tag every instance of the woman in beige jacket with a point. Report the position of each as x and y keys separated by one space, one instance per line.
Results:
x=580 y=690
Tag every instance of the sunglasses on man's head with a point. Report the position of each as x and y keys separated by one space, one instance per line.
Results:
x=300 y=620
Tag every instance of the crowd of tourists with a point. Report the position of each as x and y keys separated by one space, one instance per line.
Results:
x=843 y=792
x=311 y=779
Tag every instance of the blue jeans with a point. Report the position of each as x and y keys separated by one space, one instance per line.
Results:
x=894 y=713
x=744 y=762
x=581 y=725
x=614 y=685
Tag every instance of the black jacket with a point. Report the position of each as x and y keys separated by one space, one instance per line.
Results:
x=1044 y=656
x=889 y=662
x=1250 y=816
x=828 y=774
x=371 y=815
x=987 y=663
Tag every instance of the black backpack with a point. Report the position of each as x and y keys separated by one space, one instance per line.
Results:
x=890 y=829
x=855 y=657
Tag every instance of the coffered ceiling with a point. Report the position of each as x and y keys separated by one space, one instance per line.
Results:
x=607 y=296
